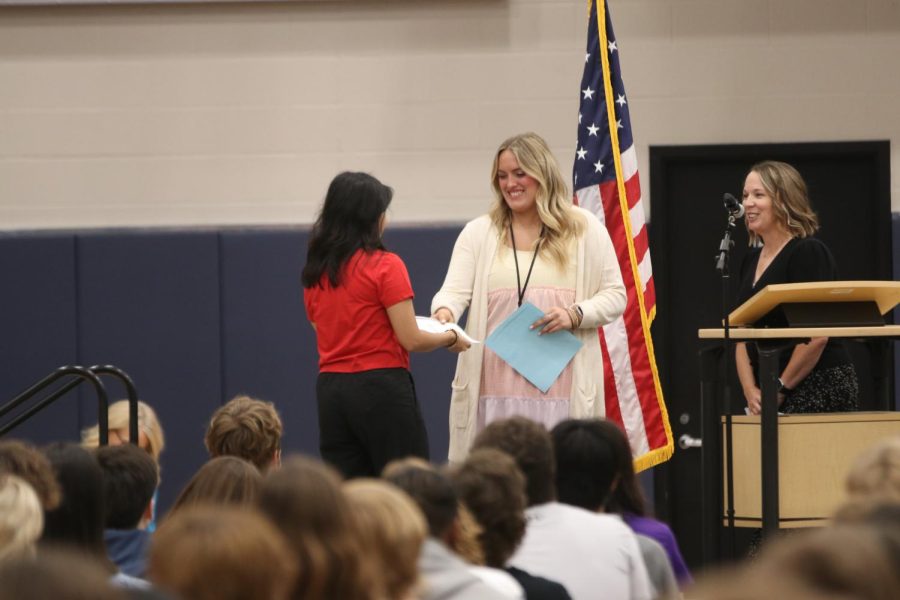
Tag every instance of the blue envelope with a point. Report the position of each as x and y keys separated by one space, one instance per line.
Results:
x=538 y=358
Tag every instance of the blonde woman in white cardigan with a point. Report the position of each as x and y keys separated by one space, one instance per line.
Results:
x=534 y=246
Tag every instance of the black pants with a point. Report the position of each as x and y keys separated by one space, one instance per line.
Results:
x=368 y=419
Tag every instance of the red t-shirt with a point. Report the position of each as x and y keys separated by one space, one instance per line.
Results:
x=353 y=332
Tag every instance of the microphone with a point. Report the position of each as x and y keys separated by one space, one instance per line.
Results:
x=733 y=206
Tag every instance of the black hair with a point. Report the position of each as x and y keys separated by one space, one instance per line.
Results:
x=78 y=520
x=585 y=463
x=627 y=497
x=129 y=479
x=432 y=491
x=350 y=220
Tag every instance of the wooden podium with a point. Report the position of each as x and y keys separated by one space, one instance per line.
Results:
x=822 y=303
x=845 y=309
x=817 y=451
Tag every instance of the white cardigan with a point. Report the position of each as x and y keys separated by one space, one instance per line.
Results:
x=599 y=292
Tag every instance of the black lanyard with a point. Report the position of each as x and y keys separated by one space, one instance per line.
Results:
x=537 y=247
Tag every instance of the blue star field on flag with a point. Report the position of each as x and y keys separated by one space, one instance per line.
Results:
x=594 y=154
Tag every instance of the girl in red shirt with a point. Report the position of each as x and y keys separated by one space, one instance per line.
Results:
x=359 y=300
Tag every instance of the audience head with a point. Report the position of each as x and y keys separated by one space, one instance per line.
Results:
x=529 y=444
x=449 y=520
x=431 y=490
x=221 y=553
x=876 y=473
x=882 y=513
x=150 y=433
x=626 y=496
x=586 y=467
x=790 y=199
x=21 y=517
x=78 y=520
x=305 y=500
x=392 y=530
x=59 y=574
x=736 y=583
x=247 y=428
x=130 y=476
x=850 y=560
x=29 y=463
x=492 y=487
x=832 y=563
x=226 y=480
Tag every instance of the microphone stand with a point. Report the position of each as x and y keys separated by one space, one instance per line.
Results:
x=723 y=267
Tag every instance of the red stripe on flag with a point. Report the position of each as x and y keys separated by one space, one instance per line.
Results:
x=650 y=296
x=609 y=194
x=611 y=399
x=633 y=191
x=642 y=250
x=640 y=363
x=633 y=354
x=641 y=244
x=637 y=344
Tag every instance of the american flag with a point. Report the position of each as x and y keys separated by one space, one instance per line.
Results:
x=606 y=182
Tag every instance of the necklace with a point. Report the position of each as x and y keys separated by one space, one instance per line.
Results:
x=537 y=245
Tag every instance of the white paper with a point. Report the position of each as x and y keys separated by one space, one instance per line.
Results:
x=434 y=326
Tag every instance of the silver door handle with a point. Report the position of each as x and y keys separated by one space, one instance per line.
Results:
x=686 y=441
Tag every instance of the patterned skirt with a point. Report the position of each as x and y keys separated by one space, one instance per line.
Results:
x=828 y=390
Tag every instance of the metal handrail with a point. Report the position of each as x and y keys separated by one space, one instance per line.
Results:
x=80 y=374
x=131 y=390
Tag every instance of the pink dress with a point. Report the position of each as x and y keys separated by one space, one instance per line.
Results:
x=504 y=393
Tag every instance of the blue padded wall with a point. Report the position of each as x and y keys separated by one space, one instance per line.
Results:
x=426 y=252
x=269 y=348
x=149 y=303
x=38 y=329
x=196 y=317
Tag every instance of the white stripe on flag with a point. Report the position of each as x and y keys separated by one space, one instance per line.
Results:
x=629 y=403
x=589 y=199
x=645 y=270
x=629 y=163
x=636 y=214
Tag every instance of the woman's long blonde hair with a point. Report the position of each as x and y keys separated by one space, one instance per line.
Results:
x=554 y=203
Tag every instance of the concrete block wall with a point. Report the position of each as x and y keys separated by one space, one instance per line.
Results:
x=222 y=114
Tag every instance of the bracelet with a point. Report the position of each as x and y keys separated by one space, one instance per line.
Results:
x=455 y=338
x=576 y=315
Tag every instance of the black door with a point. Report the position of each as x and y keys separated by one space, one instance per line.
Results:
x=849 y=187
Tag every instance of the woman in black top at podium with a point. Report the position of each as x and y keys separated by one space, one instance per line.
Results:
x=817 y=376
